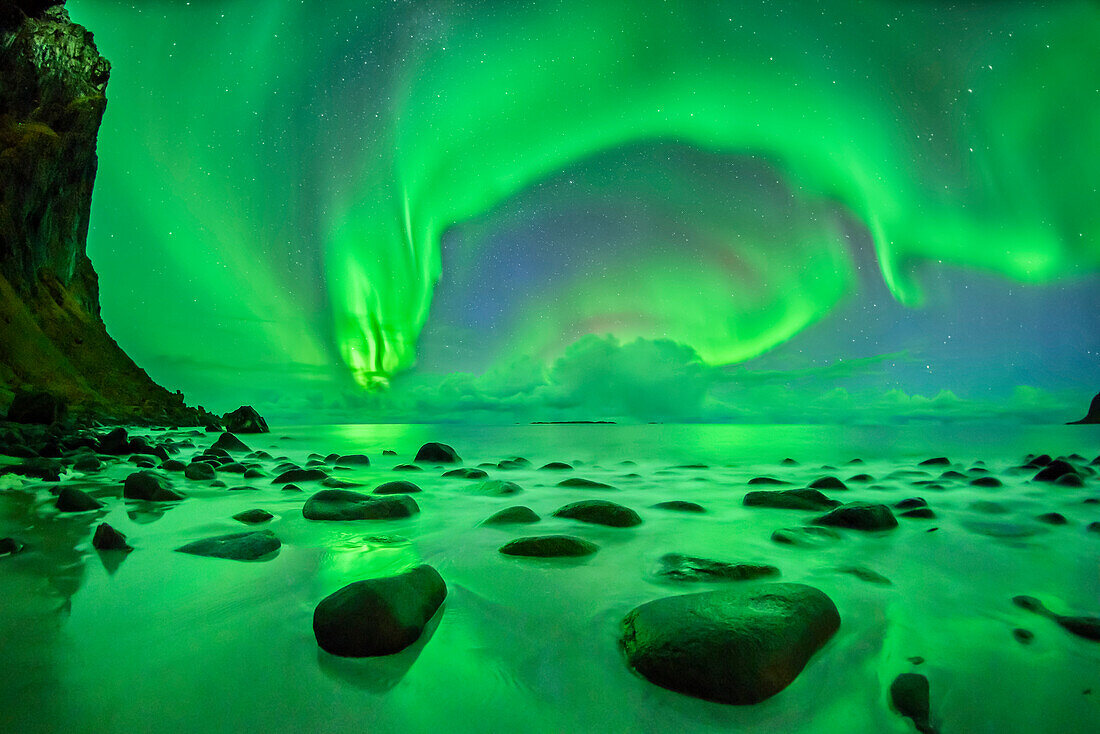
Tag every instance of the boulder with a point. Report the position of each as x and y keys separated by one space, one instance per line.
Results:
x=437 y=453
x=9 y=547
x=353 y=460
x=253 y=517
x=36 y=407
x=150 y=486
x=466 y=472
x=342 y=504
x=247 y=546
x=679 y=506
x=497 y=488
x=300 y=475
x=555 y=466
x=582 y=483
x=71 y=499
x=228 y=442
x=805 y=537
x=1055 y=470
x=600 y=512
x=789 y=499
x=860 y=516
x=199 y=471
x=106 y=538
x=245 y=419
x=512 y=516
x=1093 y=416
x=398 y=487
x=909 y=695
x=549 y=546
x=735 y=646
x=828 y=483
x=379 y=616
x=678 y=567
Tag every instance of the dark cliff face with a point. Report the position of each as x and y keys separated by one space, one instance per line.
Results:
x=52 y=98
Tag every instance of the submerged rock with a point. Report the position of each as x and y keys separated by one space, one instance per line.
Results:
x=866 y=574
x=247 y=546
x=581 y=483
x=600 y=512
x=353 y=460
x=466 y=472
x=736 y=646
x=300 y=475
x=512 y=515
x=342 y=504
x=71 y=499
x=150 y=486
x=1086 y=627
x=253 y=517
x=860 y=516
x=909 y=695
x=106 y=538
x=549 y=546
x=379 y=616
x=437 y=453
x=679 y=506
x=398 y=487
x=9 y=547
x=789 y=499
x=806 y=537
x=245 y=419
x=679 y=567
x=498 y=488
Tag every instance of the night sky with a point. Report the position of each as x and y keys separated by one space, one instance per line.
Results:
x=508 y=211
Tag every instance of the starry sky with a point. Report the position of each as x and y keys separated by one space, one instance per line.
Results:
x=830 y=211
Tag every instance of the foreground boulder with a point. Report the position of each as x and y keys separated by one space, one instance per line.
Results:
x=600 y=512
x=378 y=616
x=343 y=504
x=245 y=419
x=737 y=646
x=437 y=453
x=71 y=499
x=910 y=696
x=150 y=486
x=549 y=546
x=247 y=546
x=860 y=516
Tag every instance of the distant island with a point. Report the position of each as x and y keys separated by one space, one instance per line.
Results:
x=569 y=423
x=1093 y=416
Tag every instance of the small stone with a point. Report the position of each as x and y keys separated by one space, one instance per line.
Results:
x=253 y=517
x=679 y=506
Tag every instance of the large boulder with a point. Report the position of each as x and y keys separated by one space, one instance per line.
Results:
x=228 y=442
x=437 y=453
x=36 y=407
x=379 y=616
x=71 y=499
x=247 y=546
x=600 y=512
x=737 y=646
x=150 y=486
x=860 y=516
x=245 y=419
x=343 y=504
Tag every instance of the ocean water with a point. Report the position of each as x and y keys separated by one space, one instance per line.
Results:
x=167 y=642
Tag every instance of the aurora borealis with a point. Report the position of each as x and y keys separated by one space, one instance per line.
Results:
x=602 y=209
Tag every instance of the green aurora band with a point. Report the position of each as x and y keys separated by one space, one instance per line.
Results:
x=966 y=136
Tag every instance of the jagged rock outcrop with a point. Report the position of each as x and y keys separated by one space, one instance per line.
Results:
x=1093 y=416
x=52 y=97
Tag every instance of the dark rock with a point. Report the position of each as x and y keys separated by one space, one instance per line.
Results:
x=399 y=487
x=1086 y=627
x=48 y=470
x=938 y=461
x=253 y=472
x=1070 y=479
x=245 y=419
x=466 y=472
x=581 y=483
x=87 y=464
x=679 y=506
x=253 y=517
x=437 y=453
x=334 y=483
x=767 y=480
x=789 y=462
x=291 y=488
x=805 y=537
x=828 y=483
x=341 y=504
x=986 y=482
x=300 y=475
x=407 y=467
x=1023 y=636
x=36 y=407
x=150 y=486
x=199 y=471
x=106 y=538
x=909 y=695
x=71 y=499
x=173 y=465
x=919 y=513
x=228 y=442
x=9 y=547
x=233 y=467
x=379 y=616
x=789 y=499
x=251 y=545
x=679 y=567
x=512 y=515
x=1093 y=416
x=555 y=466
x=389 y=452
x=1052 y=518
x=353 y=460
x=600 y=512
x=911 y=503
x=497 y=488
x=1093 y=527
x=951 y=474
x=1054 y=470
x=736 y=646
x=859 y=516
x=549 y=546
x=866 y=574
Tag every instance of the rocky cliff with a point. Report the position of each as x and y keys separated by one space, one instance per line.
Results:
x=52 y=97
